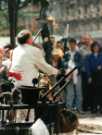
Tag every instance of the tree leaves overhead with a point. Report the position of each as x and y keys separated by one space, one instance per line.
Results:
x=23 y=8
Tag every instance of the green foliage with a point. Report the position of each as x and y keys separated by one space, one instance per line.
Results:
x=4 y=23
x=22 y=14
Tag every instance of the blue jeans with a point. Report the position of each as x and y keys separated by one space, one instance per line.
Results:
x=73 y=95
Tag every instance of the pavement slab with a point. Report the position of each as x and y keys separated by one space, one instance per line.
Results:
x=90 y=123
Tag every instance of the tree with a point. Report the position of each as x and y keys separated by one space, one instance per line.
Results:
x=12 y=12
x=44 y=8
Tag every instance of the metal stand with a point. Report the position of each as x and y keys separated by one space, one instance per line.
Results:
x=46 y=110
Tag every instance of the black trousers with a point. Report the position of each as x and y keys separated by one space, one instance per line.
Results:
x=96 y=89
x=86 y=103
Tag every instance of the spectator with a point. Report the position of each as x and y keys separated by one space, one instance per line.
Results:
x=3 y=75
x=94 y=73
x=48 y=47
x=7 y=56
x=73 y=95
x=86 y=42
x=57 y=61
x=25 y=66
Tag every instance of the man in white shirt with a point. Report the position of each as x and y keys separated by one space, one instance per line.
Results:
x=27 y=60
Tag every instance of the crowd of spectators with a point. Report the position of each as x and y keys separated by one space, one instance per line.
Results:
x=85 y=90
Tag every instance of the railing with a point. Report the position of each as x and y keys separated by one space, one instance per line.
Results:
x=15 y=106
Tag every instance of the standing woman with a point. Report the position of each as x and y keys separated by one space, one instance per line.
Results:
x=94 y=73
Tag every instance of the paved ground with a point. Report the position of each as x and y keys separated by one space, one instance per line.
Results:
x=87 y=134
x=91 y=124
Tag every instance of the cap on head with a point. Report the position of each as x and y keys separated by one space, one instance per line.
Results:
x=23 y=36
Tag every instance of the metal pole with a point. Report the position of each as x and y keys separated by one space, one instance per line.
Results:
x=12 y=11
x=57 y=83
x=37 y=34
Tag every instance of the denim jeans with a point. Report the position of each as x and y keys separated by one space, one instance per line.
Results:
x=73 y=95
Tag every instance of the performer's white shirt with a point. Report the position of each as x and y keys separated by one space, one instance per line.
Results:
x=39 y=128
x=28 y=60
x=7 y=63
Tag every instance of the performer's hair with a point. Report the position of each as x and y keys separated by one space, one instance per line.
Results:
x=22 y=40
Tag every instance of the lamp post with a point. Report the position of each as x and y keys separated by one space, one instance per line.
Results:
x=12 y=11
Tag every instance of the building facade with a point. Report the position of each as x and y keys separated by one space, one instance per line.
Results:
x=69 y=17
x=81 y=16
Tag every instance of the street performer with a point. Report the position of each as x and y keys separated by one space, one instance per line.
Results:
x=27 y=60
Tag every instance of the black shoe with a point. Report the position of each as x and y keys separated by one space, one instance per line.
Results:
x=77 y=110
x=100 y=110
x=93 y=111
